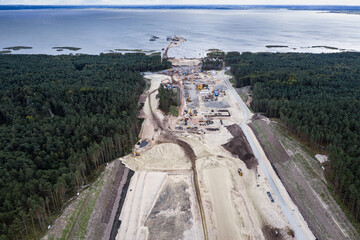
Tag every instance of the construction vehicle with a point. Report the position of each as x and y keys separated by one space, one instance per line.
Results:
x=200 y=87
x=136 y=154
x=240 y=172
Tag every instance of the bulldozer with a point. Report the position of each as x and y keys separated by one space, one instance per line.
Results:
x=240 y=172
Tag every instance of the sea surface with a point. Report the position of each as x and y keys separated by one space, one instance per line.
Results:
x=103 y=30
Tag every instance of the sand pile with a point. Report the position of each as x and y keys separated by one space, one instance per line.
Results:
x=164 y=156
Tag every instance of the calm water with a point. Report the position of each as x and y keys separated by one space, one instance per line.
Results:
x=97 y=31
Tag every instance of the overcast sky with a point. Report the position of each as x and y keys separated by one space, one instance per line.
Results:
x=150 y=2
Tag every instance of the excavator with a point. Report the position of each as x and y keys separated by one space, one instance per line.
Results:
x=240 y=172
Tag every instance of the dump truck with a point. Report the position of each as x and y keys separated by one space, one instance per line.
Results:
x=240 y=172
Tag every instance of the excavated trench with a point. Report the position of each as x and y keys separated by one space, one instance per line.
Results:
x=117 y=222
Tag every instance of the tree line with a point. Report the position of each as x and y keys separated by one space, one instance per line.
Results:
x=61 y=117
x=317 y=96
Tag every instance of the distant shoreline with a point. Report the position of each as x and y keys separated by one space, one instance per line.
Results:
x=331 y=8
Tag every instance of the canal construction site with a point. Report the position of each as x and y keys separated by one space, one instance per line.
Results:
x=196 y=175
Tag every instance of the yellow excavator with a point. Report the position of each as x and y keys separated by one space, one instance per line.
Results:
x=240 y=172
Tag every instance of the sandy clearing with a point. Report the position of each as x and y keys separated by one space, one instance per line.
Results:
x=248 y=204
x=219 y=192
x=148 y=129
x=321 y=158
x=143 y=189
x=151 y=201
x=164 y=156
x=236 y=207
x=185 y=61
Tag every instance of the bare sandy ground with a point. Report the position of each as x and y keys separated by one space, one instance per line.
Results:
x=220 y=193
x=235 y=207
x=164 y=156
x=185 y=61
x=161 y=194
x=161 y=201
x=160 y=205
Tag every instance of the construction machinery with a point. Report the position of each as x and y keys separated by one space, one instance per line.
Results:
x=240 y=172
x=136 y=154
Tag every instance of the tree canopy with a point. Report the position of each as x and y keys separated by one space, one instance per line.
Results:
x=61 y=117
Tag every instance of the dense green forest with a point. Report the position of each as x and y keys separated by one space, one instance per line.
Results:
x=318 y=97
x=213 y=60
x=211 y=64
x=61 y=117
x=168 y=98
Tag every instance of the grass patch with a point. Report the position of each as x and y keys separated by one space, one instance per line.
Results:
x=309 y=148
x=305 y=165
x=243 y=96
x=7 y=51
x=85 y=216
x=174 y=111
x=83 y=210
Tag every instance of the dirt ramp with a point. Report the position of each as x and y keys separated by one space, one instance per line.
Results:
x=240 y=147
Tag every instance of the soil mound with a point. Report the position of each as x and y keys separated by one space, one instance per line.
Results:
x=271 y=233
x=240 y=147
